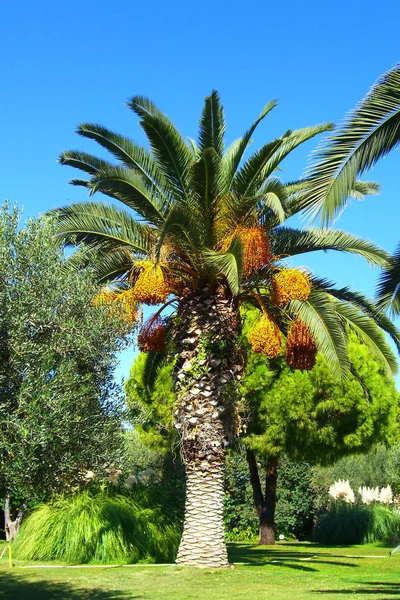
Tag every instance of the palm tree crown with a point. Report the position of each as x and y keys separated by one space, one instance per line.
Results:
x=200 y=214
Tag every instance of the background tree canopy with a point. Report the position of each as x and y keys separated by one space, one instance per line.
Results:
x=60 y=410
x=311 y=415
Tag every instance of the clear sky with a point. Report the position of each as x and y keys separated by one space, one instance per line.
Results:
x=67 y=63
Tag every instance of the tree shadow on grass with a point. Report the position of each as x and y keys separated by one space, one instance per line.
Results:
x=22 y=588
x=370 y=588
x=263 y=555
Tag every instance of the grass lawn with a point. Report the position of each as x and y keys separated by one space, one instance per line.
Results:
x=290 y=571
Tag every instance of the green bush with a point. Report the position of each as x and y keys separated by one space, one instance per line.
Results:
x=295 y=505
x=346 y=524
x=240 y=517
x=96 y=528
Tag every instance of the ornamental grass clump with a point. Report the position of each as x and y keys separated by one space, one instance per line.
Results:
x=290 y=284
x=301 y=350
x=151 y=285
x=357 y=524
x=96 y=529
x=361 y=522
x=152 y=336
x=341 y=490
x=265 y=337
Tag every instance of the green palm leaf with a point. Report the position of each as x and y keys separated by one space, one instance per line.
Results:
x=205 y=185
x=172 y=153
x=109 y=265
x=234 y=153
x=360 y=301
x=251 y=176
x=298 y=194
x=291 y=141
x=123 y=149
x=367 y=134
x=229 y=264
x=102 y=226
x=320 y=316
x=389 y=285
x=153 y=363
x=212 y=125
x=270 y=209
x=287 y=241
x=128 y=187
x=83 y=161
x=370 y=333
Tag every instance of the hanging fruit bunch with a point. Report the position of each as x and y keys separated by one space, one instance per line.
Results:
x=152 y=336
x=256 y=248
x=151 y=283
x=122 y=303
x=126 y=304
x=290 y=284
x=301 y=351
x=104 y=298
x=265 y=337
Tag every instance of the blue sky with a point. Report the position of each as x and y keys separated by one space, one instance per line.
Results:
x=67 y=63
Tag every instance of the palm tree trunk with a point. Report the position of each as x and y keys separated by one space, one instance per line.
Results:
x=206 y=374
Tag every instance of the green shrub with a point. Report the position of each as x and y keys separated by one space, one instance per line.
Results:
x=96 y=528
x=346 y=524
x=240 y=517
x=295 y=505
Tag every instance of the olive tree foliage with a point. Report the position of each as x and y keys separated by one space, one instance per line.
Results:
x=60 y=410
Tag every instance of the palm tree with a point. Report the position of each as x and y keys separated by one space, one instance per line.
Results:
x=203 y=234
x=368 y=133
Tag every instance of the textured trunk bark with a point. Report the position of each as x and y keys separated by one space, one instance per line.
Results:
x=206 y=374
x=265 y=505
x=11 y=527
x=267 y=520
x=203 y=542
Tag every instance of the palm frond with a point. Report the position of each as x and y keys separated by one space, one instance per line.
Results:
x=364 y=188
x=183 y=232
x=102 y=226
x=320 y=316
x=298 y=194
x=234 y=153
x=369 y=333
x=128 y=187
x=229 y=264
x=152 y=365
x=389 y=285
x=251 y=175
x=205 y=184
x=172 y=153
x=83 y=161
x=271 y=206
x=212 y=125
x=126 y=151
x=367 y=133
x=109 y=265
x=291 y=141
x=360 y=301
x=287 y=241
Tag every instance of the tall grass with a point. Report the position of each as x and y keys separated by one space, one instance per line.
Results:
x=347 y=524
x=96 y=528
